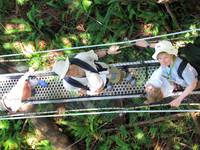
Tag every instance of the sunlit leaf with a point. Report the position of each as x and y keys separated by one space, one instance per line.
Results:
x=21 y=2
x=10 y=144
x=8 y=46
x=139 y=135
x=44 y=145
x=4 y=124
x=86 y=4
x=195 y=147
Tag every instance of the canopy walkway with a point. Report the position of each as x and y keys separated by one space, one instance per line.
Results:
x=122 y=98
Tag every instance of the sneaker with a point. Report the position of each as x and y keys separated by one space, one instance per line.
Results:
x=33 y=92
x=42 y=83
x=131 y=79
x=109 y=86
x=35 y=82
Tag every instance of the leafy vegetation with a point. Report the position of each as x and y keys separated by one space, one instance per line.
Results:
x=28 y=26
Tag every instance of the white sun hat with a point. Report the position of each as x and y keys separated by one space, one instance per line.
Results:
x=61 y=67
x=164 y=46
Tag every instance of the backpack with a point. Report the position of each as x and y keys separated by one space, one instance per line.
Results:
x=85 y=66
x=190 y=54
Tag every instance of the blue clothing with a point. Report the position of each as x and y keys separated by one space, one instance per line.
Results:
x=158 y=81
x=164 y=77
x=189 y=73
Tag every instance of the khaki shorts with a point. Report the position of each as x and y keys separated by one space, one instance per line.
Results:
x=116 y=75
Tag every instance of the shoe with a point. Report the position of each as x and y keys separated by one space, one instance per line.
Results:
x=131 y=79
x=34 y=81
x=33 y=92
x=42 y=83
x=109 y=86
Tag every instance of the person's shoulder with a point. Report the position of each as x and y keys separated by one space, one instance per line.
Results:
x=85 y=55
x=177 y=62
x=188 y=66
x=157 y=74
x=159 y=70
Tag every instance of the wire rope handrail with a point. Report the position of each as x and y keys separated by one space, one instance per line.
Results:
x=98 y=111
x=104 y=45
x=94 y=98
x=122 y=110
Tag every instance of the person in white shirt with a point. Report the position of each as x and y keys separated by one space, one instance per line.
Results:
x=23 y=90
x=167 y=73
x=89 y=82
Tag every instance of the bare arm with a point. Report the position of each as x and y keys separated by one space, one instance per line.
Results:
x=176 y=102
x=112 y=50
x=101 y=53
x=26 y=92
x=143 y=43
x=83 y=92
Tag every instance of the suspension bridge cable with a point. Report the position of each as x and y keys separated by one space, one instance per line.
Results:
x=96 y=111
x=14 y=60
x=25 y=60
x=104 y=45
x=92 y=98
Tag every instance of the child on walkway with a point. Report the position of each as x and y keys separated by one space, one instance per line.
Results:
x=167 y=73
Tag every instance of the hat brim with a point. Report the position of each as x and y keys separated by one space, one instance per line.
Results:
x=173 y=52
x=61 y=68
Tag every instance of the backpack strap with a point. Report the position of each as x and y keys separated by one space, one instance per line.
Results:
x=83 y=65
x=99 y=67
x=181 y=68
x=75 y=83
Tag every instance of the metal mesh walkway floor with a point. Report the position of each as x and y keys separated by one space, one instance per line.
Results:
x=55 y=93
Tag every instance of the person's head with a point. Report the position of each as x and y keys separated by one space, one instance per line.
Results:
x=154 y=94
x=165 y=52
x=61 y=67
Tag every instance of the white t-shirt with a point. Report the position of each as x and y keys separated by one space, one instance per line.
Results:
x=162 y=78
x=93 y=80
x=159 y=81
x=12 y=99
x=189 y=73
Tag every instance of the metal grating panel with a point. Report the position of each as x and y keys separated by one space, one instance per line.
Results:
x=55 y=93
x=55 y=89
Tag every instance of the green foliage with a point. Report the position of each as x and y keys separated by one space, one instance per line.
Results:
x=67 y=23
x=23 y=26
x=44 y=145
x=11 y=138
x=10 y=144
x=34 y=17
x=21 y=2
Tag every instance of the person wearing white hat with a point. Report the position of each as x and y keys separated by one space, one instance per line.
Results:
x=85 y=75
x=167 y=55
x=23 y=90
